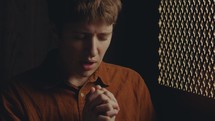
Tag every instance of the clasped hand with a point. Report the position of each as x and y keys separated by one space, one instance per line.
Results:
x=101 y=105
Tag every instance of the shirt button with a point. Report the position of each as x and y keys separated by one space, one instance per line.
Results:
x=82 y=94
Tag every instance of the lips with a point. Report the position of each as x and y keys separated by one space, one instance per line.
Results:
x=88 y=65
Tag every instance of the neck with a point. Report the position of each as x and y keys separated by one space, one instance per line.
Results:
x=77 y=81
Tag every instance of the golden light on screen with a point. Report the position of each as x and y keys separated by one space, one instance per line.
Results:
x=187 y=45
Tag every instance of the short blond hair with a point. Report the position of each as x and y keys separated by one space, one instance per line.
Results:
x=68 y=11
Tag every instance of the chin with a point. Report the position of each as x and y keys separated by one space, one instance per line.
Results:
x=88 y=73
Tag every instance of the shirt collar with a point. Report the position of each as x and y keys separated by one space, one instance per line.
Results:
x=100 y=77
x=102 y=74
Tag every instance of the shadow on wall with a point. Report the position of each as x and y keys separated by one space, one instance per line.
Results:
x=25 y=37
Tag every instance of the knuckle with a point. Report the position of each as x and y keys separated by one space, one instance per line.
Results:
x=107 y=118
x=103 y=118
x=104 y=98
x=99 y=91
x=109 y=106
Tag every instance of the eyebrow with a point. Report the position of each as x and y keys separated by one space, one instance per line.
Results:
x=105 y=33
x=83 y=32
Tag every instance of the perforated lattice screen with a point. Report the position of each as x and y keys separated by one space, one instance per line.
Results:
x=187 y=45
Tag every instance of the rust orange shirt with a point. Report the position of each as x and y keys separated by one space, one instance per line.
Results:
x=43 y=95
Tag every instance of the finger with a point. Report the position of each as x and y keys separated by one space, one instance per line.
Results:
x=91 y=100
x=101 y=96
x=104 y=118
x=112 y=113
x=98 y=87
x=109 y=94
x=115 y=105
x=99 y=90
x=106 y=109
x=94 y=94
x=112 y=97
x=100 y=99
x=108 y=106
x=92 y=90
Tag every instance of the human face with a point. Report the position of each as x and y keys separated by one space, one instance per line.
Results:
x=84 y=46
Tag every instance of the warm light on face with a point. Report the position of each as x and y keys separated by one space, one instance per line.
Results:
x=84 y=46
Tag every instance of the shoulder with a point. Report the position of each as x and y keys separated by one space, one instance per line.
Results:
x=119 y=69
x=118 y=73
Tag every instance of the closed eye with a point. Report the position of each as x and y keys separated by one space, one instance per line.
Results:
x=104 y=36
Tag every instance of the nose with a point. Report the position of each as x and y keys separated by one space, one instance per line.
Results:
x=92 y=47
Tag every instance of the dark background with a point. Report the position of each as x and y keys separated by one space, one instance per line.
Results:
x=25 y=40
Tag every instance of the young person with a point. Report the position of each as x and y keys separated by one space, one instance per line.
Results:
x=74 y=83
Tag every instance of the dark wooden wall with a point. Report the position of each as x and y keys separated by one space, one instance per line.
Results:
x=24 y=35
